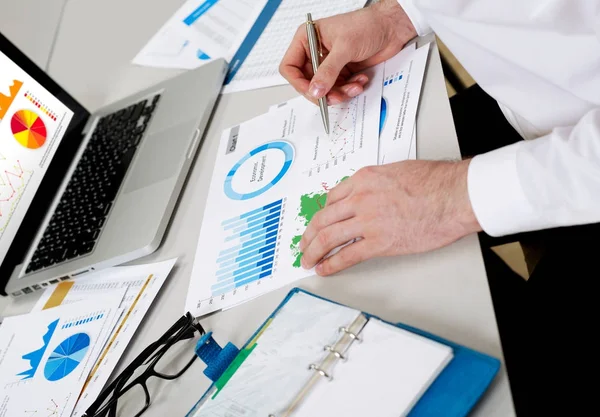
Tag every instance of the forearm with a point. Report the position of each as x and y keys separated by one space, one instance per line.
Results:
x=446 y=186
x=392 y=15
x=548 y=182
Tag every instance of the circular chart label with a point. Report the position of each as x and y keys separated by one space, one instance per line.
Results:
x=259 y=170
x=66 y=357
x=29 y=129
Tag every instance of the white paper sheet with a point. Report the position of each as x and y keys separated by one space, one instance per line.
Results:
x=404 y=75
x=412 y=155
x=271 y=176
x=201 y=30
x=383 y=374
x=47 y=356
x=141 y=283
x=278 y=365
x=386 y=373
x=261 y=67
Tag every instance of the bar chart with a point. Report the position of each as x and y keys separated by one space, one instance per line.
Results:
x=251 y=241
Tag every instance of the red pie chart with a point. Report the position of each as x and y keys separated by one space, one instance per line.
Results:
x=29 y=129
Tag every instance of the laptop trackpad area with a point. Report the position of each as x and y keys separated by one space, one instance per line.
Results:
x=160 y=156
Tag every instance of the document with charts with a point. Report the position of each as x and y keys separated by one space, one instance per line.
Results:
x=261 y=67
x=271 y=177
x=404 y=74
x=141 y=284
x=200 y=31
x=47 y=355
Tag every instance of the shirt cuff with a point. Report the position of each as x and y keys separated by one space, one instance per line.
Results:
x=496 y=194
x=416 y=17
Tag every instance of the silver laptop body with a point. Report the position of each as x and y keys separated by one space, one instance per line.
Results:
x=147 y=196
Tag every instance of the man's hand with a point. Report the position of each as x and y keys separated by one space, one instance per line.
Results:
x=396 y=209
x=351 y=42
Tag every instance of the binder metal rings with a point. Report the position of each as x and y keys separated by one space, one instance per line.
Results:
x=352 y=335
x=321 y=372
x=335 y=352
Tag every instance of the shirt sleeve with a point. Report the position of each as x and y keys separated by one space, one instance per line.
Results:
x=543 y=183
x=416 y=17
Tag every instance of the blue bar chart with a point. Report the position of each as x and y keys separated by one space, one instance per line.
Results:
x=251 y=241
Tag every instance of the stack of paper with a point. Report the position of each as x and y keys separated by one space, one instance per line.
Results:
x=272 y=175
x=252 y=35
x=55 y=360
x=201 y=30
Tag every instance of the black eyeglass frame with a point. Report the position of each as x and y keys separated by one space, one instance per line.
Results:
x=185 y=328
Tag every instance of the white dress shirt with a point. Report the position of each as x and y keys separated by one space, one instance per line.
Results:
x=540 y=59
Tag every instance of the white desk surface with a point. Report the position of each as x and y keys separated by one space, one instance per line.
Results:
x=444 y=292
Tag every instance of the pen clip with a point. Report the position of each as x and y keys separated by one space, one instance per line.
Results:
x=320 y=51
x=309 y=21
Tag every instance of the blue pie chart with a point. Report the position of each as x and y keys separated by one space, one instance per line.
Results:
x=383 y=115
x=288 y=158
x=66 y=357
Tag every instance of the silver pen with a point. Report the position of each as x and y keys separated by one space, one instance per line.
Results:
x=315 y=57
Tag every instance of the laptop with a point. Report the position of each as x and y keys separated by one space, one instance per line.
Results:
x=83 y=191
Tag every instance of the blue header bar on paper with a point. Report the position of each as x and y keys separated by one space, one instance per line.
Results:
x=203 y=8
x=257 y=29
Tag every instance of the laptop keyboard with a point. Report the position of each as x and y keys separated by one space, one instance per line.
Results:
x=81 y=213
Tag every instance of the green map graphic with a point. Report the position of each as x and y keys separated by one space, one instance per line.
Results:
x=309 y=205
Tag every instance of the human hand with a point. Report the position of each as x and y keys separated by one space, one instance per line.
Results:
x=396 y=209
x=351 y=42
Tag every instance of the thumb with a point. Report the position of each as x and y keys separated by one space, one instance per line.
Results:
x=328 y=72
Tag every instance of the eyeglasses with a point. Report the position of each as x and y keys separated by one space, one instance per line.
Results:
x=153 y=359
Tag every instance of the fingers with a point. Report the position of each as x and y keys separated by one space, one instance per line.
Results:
x=328 y=239
x=348 y=256
x=323 y=219
x=339 y=192
x=328 y=72
x=294 y=61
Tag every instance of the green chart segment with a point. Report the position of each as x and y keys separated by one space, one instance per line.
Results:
x=309 y=205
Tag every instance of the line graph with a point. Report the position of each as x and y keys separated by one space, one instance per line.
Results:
x=52 y=410
x=343 y=133
x=341 y=142
x=13 y=181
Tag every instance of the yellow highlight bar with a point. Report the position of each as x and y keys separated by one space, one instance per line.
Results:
x=116 y=333
x=58 y=295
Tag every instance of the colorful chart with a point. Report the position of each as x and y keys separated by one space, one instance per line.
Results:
x=288 y=153
x=251 y=247
x=383 y=115
x=7 y=100
x=28 y=129
x=66 y=357
x=40 y=105
x=35 y=357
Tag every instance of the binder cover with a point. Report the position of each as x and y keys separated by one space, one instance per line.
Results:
x=454 y=393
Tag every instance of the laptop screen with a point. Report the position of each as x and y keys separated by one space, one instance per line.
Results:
x=33 y=123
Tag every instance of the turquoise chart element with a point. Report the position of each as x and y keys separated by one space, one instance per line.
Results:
x=284 y=147
x=35 y=357
x=66 y=357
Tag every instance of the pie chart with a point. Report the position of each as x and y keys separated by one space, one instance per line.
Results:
x=66 y=357
x=29 y=129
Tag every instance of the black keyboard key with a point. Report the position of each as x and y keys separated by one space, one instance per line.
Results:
x=139 y=109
